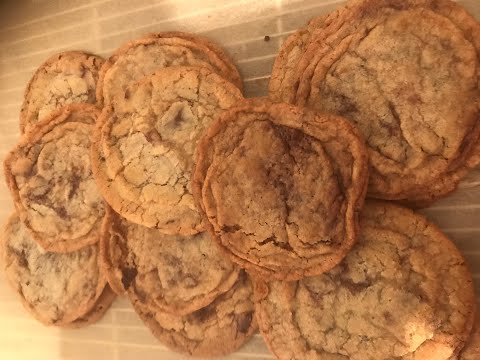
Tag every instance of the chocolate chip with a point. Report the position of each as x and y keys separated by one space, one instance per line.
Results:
x=128 y=275
x=203 y=314
x=153 y=136
x=354 y=287
x=231 y=228
x=266 y=38
x=74 y=184
x=389 y=319
x=244 y=321
x=62 y=212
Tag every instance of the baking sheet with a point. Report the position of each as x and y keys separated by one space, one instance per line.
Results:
x=30 y=31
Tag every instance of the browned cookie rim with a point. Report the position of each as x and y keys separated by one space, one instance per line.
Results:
x=189 y=346
x=113 y=197
x=90 y=312
x=467 y=294
x=218 y=56
x=354 y=196
x=115 y=275
x=352 y=13
x=97 y=312
x=30 y=139
x=51 y=60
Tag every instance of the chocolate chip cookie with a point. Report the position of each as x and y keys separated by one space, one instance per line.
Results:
x=65 y=289
x=144 y=146
x=218 y=329
x=403 y=292
x=67 y=77
x=406 y=73
x=50 y=178
x=175 y=274
x=280 y=187
x=143 y=57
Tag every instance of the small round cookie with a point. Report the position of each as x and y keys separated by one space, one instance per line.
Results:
x=145 y=56
x=174 y=273
x=280 y=187
x=471 y=351
x=57 y=288
x=67 y=77
x=404 y=292
x=216 y=330
x=50 y=178
x=406 y=73
x=144 y=146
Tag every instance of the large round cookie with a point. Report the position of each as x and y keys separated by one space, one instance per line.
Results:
x=67 y=77
x=50 y=178
x=216 y=330
x=280 y=187
x=144 y=146
x=145 y=56
x=174 y=273
x=404 y=292
x=66 y=289
x=407 y=74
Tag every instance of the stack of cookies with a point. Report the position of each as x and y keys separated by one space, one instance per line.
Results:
x=217 y=215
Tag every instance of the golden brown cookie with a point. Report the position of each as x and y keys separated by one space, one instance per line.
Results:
x=280 y=187
x=145 y=146
x=50 y=178
x=404 y=292
x=218 y=329
x=67 y=289
x=175 y=274
x=67 y=77
x=406 y=73
x=145 y=56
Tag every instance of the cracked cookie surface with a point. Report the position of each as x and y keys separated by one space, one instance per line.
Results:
x=65 y=78
x=58 y=289
x=145 y=56
x=175 y=274
x=144 y=147
x=50 y=178
x=403 y=292
x=407 y=74
x=280 y=187
x=218 y=329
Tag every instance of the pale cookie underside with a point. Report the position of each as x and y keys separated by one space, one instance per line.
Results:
x=145 y=148
x=56 y=288
x=175 y=274
x=403 y=292
x=49 y=175
x=216 y=330
x=280 y=188
x=65 y=78
x=421 y=123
